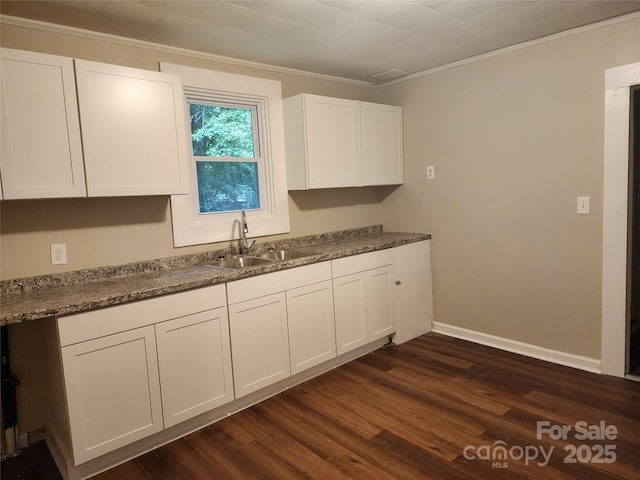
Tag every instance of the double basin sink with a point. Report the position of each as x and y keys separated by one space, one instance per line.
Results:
x=243 y=261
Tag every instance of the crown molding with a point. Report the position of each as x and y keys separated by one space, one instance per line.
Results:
x=116 y=39
x=119 y=40
x=518 y=46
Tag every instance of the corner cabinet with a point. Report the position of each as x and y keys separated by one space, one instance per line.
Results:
x=333 y=142
x=132 y=370
x=122 y=134
x=413 y=290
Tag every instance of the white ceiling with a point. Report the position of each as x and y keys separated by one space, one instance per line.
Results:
x=345 y=38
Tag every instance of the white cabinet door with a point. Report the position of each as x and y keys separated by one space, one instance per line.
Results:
x=322 y=142
x=312 y=336
x=382 y=145
x=413 y=291
x=333 y=142
x=133 y=130
x=113 y=391
x=379 y=288
x=364 y=298
x=41 y=146
x=350 y=306
x=194 y=357
x=259 y=343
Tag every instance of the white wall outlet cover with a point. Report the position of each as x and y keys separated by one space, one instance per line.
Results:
x=431 y=172
x=58 y=254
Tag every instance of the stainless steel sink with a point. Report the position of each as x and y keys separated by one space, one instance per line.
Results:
x=242 y=261
x=279 y=255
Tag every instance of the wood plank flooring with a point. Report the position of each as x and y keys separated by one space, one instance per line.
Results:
x=409 y=412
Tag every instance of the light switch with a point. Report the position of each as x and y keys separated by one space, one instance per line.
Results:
x=583 y=205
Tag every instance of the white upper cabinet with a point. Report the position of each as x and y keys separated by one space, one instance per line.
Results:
x=332 y=142
x=322 y=138
x=132 y=140
x=381 y=134
x=41 y=146
x=132 y=130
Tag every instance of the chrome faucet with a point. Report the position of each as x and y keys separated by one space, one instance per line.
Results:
x=245 y=245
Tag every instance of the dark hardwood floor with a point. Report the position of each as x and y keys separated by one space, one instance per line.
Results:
x=411 y=412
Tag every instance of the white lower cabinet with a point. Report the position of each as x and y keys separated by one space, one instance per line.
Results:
x=123 y=373
x=281 y=324
x=113 y=391
x=312 y=336
x=194 y=360
x=259 y=342
x=350 y=304
x=413 y=293
x=380 y=300
x=132 y=370
x=363 y=299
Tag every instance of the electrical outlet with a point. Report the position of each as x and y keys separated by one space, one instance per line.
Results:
x=583 y=205
x=58 y=254
x=431 y=172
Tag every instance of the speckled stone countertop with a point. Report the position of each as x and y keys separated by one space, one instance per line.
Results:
x=44 y=296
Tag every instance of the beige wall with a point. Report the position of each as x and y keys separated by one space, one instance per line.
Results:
x=106 y=231
x=514 y=138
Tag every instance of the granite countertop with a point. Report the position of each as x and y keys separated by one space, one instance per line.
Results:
x=44 y=296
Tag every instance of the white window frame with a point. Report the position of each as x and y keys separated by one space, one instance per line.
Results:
x=189 y=226
x=197 y=97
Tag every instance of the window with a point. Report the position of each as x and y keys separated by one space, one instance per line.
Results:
x=237 y=151
x=227 y=157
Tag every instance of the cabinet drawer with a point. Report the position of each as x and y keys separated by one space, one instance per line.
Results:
x=98 y=323
x=270 y=283
x=362 y=262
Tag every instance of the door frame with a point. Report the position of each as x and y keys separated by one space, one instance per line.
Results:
x=618 y=83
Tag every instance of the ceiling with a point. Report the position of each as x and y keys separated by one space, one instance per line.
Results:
x=371 y=41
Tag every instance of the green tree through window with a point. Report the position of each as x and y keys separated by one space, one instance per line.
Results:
x=227 y=179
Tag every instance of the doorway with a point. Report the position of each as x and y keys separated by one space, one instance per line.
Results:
x=619 y=83
x=633 y=328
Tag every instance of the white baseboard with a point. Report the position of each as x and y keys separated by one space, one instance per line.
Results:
x=541 y=353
